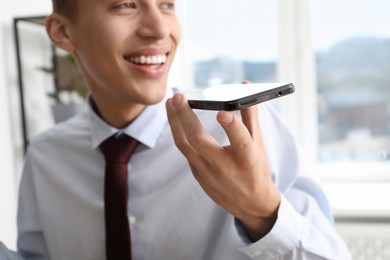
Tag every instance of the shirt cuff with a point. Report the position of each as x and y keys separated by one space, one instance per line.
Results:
x=284 y=237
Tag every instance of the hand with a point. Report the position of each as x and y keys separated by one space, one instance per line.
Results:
x=237 y=177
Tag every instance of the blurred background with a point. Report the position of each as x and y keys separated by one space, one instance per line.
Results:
x=337 y=53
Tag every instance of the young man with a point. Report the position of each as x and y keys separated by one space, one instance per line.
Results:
x=240 y=191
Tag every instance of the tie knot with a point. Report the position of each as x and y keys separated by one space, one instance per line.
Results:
x=118 y=150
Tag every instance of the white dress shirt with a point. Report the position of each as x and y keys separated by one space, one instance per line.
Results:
x=61 y=209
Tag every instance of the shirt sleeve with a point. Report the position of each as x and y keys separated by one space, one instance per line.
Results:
x=296 y=236
x=6 y=254
x=31 y=243
x=304 y=228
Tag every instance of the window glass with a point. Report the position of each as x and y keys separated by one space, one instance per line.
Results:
x=231 y=40
x=352 y=43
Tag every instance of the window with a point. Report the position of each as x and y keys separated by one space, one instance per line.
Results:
x=337 y=55
x=231 y=40
x=352 y=45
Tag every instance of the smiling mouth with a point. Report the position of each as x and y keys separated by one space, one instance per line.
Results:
x=154 y=61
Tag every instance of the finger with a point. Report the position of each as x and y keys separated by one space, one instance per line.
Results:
x=197 y=163
x=193 y=129
x=195 y=135
x=236 y=131
x=178 y=134
x=250 y=118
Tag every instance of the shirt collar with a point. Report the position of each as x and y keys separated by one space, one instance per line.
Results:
x=146 y=128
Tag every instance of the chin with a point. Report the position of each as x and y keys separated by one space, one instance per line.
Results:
x=146 y=91
x=154 y=97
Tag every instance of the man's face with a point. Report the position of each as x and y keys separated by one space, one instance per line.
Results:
x=125 y=48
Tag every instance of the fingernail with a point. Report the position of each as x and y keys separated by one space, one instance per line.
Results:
x=176 y=100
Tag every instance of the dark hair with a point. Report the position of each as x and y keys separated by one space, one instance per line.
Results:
x=68 y=8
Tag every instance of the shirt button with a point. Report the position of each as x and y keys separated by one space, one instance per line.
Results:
x=132 y=220
x=256 y=253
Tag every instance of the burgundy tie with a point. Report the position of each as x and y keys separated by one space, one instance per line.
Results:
x=117 y=153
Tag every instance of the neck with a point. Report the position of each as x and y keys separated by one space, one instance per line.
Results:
x=118 y=116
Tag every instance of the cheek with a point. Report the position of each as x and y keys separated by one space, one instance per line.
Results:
x=96 y=66
x=101 y=48
x=104 y=34
x=112 y=33
x=176 y=31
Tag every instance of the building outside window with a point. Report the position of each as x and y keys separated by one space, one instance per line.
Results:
x=352 y=44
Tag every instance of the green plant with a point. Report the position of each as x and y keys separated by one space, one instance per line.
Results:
x=69 y=84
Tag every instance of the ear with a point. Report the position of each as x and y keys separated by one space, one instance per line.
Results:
x=57 y=27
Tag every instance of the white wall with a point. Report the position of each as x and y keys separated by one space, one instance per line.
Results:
x=10 y=128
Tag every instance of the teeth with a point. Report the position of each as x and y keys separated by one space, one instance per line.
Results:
x=150 y=60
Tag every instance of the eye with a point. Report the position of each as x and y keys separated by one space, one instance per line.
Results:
x=168 y=5
x=128 y=5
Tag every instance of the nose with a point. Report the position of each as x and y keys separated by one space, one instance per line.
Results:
x=153 y=25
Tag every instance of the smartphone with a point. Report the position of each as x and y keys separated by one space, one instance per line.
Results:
x=237 y=96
